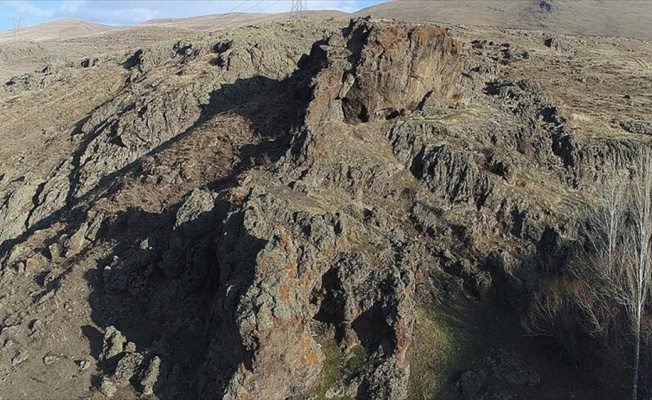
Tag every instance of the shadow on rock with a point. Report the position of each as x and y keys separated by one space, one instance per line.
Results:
x=153 y=295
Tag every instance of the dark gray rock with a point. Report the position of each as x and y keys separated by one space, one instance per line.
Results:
x=197 y=203
x=470 y=384
x=638 y=127
x=511 y=368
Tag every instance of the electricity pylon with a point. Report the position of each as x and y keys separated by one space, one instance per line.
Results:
x=299 y=7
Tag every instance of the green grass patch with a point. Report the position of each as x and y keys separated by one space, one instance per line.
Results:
x=439 y=348
x=338 y=368
x=331 y=371
x=357 y=361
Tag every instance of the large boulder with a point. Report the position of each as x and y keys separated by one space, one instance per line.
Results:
x=377 y=70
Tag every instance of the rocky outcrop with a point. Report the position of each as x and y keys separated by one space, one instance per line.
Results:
x=291 y=270
x=377 y=71
x=283 y=269
x=448 y=172
x=289 y=274
x=246 y=220
x=13 y=217
x=505 y=367
x=263 y=343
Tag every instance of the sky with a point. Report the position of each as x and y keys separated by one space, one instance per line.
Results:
x=21 y=13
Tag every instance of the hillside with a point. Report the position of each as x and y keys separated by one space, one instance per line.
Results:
x=309 y=209
x=627 y=18
x=235 y=20
x=68 y=41
x=56 y=30
x=71 y=41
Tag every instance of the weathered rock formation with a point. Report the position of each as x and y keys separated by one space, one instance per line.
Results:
x=373 y=72
x=243 y=218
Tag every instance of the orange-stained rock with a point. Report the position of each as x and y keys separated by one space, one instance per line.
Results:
x=380 y=70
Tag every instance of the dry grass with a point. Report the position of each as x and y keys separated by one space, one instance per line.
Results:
x=614 y=18
x=56 y=30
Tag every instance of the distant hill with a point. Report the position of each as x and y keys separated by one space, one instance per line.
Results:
x=625 y=18
x=234 y=20
x=587 y=17
x=55 y=30
x=66 y=29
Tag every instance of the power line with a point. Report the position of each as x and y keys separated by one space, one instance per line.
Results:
x=268 y=6
x=236 y=7
x=252 y=7
x=298 y=6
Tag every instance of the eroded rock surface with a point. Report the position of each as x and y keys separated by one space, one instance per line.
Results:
x=241 y=217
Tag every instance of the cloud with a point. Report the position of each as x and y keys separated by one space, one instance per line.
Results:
x=26 y=9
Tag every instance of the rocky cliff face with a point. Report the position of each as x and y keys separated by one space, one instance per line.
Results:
x=293 y=270
x=371 y=73
x=244 y=218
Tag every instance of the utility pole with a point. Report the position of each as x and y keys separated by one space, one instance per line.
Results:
x=299 y=7
x=16 y=22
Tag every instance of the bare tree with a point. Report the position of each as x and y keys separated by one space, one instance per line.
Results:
x=554 y=313
x=603 y=264
x=619 y=265
x=638 y=276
